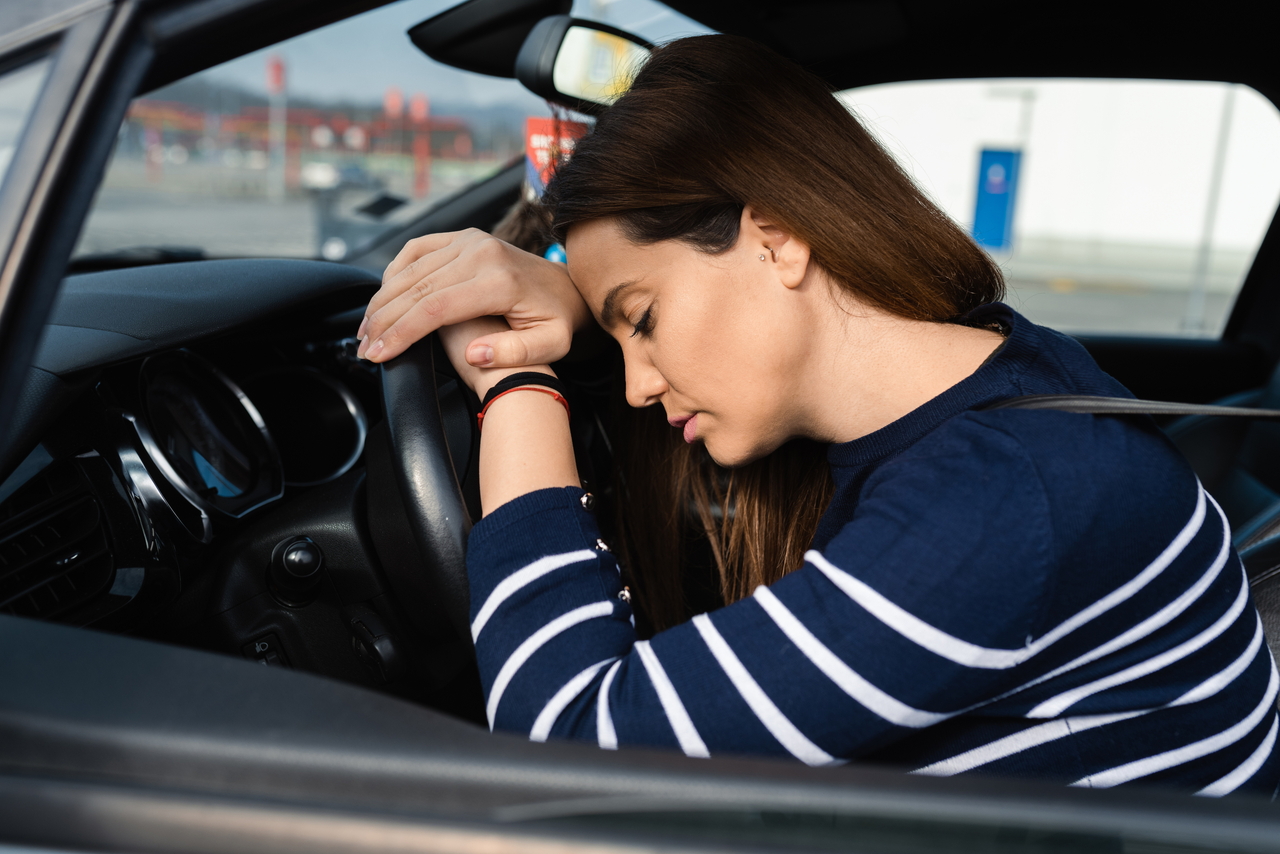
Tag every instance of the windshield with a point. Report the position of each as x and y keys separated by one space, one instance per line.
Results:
x=19 y=88
x=320 y=146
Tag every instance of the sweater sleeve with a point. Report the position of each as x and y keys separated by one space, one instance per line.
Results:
x=918 y=609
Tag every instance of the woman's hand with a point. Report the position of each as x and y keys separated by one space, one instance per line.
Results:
x=455 y=339
x=443 y=280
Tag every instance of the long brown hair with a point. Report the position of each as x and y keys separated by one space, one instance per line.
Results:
x=711 y=124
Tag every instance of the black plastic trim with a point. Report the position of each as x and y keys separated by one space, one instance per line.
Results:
x=130 y=718
x=483 y=36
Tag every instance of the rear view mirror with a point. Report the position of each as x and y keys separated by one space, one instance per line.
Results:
x=483 y=35
x=582 y=65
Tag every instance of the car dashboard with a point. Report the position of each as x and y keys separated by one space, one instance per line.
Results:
x=195 y=438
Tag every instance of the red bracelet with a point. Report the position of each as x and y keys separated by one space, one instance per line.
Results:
x=557 y=395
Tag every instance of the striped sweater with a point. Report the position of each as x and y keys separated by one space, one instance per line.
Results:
x=1016 y=592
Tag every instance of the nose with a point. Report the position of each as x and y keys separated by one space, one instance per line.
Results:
x=645 y=385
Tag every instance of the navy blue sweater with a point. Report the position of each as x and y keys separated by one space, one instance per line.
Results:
x=1016 y=592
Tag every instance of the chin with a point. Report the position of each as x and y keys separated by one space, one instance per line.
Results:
x=732 y=455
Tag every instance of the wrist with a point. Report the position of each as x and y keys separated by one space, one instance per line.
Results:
x=482 y=379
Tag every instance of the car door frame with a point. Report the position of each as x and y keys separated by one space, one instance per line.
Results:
x=95 y=66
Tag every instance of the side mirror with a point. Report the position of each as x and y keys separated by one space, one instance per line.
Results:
x=581 y=65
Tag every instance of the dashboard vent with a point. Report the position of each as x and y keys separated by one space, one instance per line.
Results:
x=54 y=554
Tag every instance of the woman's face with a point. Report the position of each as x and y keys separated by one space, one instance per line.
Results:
x=719 y=340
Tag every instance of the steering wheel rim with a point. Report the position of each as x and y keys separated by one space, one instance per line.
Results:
x=429 y=490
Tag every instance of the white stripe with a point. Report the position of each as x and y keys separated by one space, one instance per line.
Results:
x=551 y=711
x=1247 y=769
x=1037 y=735
x=1020 y=741
x=1132 y=586
x=1226 y=676
x=606 y=736
x=681 y=724
x=912 y=627
x=787 y=734
x=846 y=679
x=535 y=642
x=521 y=578
x=972 y=655
x=1162 y=761
x=1147 y=626
x=1055 y=706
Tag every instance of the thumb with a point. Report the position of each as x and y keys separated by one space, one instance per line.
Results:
x=536 y=345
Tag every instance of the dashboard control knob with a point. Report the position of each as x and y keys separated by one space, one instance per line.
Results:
x=295 y=571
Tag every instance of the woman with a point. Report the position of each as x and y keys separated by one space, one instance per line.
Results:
x=1019 y=592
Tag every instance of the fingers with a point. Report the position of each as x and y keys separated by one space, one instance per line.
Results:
x=423 y=260
x=411 y=317
x=442 y=294
x=536 y=345
x=425 y=245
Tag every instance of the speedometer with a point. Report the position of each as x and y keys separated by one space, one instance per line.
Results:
x=211 y=442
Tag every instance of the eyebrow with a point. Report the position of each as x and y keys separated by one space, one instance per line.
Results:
x=610 y=308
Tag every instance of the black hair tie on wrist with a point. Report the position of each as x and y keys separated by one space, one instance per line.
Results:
x=530 y=380
x=522 y=379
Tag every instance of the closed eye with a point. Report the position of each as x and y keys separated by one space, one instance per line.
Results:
x=644 y=325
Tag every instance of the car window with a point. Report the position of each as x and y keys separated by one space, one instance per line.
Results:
x=19 y=88
x=1113 y=206
x=318 y=146
x=310 y=148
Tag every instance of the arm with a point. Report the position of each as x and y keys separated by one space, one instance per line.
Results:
x=525 y=444
x=813 y=667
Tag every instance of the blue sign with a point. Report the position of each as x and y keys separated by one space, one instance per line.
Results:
x=997 y=190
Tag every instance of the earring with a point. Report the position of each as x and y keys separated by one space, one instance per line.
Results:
x=773 y=254
x=761 y=257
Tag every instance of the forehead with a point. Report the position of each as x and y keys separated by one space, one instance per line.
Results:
x=600 y=256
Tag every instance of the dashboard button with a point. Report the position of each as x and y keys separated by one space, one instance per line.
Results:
x=266 y=650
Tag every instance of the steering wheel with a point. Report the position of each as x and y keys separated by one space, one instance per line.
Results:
x=417 y=512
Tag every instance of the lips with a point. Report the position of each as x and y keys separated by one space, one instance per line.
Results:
x=688 y=423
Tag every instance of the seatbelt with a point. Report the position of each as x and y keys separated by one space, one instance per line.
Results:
x=1094 y=405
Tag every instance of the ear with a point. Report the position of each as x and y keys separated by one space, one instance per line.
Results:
x=784 y=253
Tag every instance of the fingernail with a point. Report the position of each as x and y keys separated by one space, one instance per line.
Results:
x=360 y=332
x=481 y=355
x=372 y=353
x=361 y=347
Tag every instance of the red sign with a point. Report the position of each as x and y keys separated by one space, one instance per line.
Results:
x=547 y=141
x=393 y=103
x=275 y=75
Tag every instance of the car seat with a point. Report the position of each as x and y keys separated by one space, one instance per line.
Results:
x=1238 y=461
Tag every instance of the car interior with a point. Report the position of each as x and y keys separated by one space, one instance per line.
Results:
x=206 y=500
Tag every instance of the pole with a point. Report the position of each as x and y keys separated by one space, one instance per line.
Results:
x=420 y=115
x=1193 y=322
x=276 y=116
x=1024 y=119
